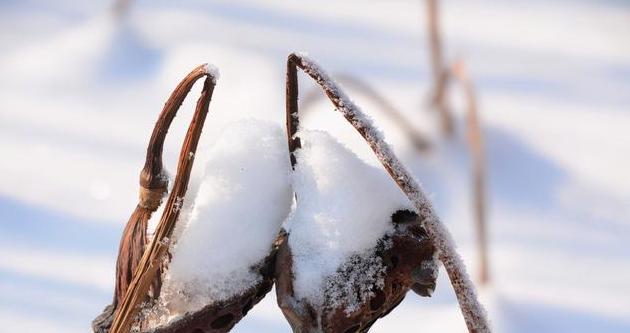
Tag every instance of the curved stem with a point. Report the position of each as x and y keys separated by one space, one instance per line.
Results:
x=152 y=257
x=383 y=105
x=472 y=310
x=151 y=176
x=475 y=146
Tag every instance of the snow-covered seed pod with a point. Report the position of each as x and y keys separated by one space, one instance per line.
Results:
x=353 y=248
x=365 y=271
x=221 y=316
x=405 y=254
x=224 y=244
x=354 y=245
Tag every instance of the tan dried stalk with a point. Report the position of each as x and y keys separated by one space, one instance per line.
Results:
x=476 y=148
x=151 y=177
x=153 y=187
x=472 y=310
x=121 y=7
x=384 y=106
x=440 y=73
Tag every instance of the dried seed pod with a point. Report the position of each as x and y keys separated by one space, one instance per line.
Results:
x=408 y=250
x=407 y=255
x=405 y=240
x=223 y=255
x=221 y=316
x=137 y=293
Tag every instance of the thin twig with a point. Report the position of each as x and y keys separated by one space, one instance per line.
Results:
x=146 y=271
x=475 y=145
x=121 y=7
x=473 y=312
x=440 y=74
x=383 y=105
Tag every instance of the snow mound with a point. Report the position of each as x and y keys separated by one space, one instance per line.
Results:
x=242 y=200
x=344 y=207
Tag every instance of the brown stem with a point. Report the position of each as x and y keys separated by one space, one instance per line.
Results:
x=151 y=175
x=475 y=145
x=472 y=310
x=153 y=186
x=383 y=105
x=440 y=74
x=121 y=7
x=146 y=271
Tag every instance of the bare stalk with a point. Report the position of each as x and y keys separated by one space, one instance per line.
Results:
x=145 y=273
x=440 y=74
x=383 y=105
x=475 y=146
x=153 y=187
x=121 y=7
x=472 y=310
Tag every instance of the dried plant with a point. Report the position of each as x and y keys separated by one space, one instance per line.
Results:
x=139 y=277
x=418 y=239
x=476 y=148
x=472 y=310
x=438 y=69
x=442 y=76
x=153 y=187
x=121 y=7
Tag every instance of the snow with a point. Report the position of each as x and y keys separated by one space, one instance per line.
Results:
x=213 y=71
x=243 y=197
x=552 y=78
x=344 y=207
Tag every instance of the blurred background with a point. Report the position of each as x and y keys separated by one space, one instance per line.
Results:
x=81 y=85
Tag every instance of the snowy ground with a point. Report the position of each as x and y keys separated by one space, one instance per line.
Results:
x=80 y=90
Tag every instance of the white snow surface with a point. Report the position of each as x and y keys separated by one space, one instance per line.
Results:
x=243 y=198
x=344 y=206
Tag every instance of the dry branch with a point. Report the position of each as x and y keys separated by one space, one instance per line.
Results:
x=151 y=177
x=475 y=146
x=440 y=73
x=472 y=310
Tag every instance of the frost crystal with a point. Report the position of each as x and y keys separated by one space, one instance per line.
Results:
x=213 y=71
x=177 y=205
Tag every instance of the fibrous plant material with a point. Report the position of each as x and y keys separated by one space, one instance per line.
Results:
x=153 y=187
x=475 y=146
x=383 y=105
x=223 y=247
x=146 y=270
x=438 y=69
x=472 y=310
